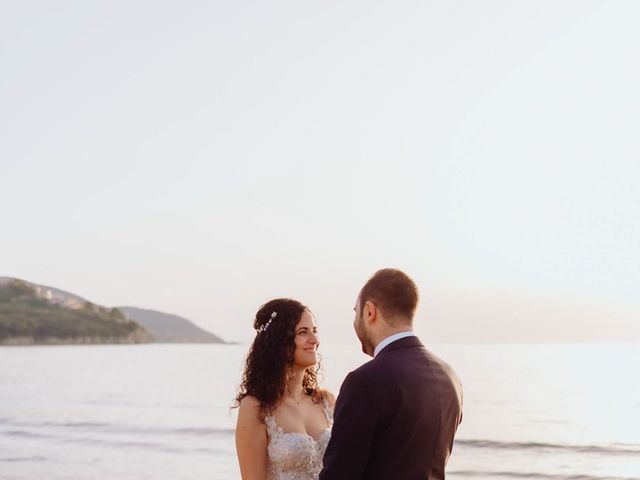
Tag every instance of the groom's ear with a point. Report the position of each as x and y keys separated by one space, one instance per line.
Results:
x=369 y=312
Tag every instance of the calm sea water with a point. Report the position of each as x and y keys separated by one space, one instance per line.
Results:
x=162 y=411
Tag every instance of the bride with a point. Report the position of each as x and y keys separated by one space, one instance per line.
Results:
x=284 y=419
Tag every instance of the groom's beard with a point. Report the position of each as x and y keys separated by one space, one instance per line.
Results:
x=367 y=344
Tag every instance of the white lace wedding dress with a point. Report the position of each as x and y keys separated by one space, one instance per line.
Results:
x=296 y=456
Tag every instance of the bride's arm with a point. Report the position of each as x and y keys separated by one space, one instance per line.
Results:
x=251 y=441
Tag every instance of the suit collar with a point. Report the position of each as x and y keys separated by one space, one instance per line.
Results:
x=405 y=342
x=390 y=339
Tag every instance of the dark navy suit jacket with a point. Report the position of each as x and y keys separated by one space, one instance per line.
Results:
x=395 y=417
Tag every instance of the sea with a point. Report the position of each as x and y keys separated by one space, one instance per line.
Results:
x=552 y=411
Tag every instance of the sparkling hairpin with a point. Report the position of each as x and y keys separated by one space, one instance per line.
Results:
x=266 y=325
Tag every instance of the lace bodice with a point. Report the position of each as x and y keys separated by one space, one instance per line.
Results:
x=296 y=456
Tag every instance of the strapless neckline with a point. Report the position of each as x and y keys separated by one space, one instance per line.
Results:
x=296 y=455
x=302 y=434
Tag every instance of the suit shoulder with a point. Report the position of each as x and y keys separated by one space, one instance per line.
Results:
x=361 y=377
x=372 y=372
x=441 y=363
x=364 y=371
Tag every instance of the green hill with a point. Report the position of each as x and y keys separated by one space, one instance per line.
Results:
x=32 y=315
x=167 y=328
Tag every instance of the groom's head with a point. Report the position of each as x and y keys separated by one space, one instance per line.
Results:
x=385 y=306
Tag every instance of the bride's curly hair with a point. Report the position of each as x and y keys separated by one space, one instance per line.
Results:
x=272 y=354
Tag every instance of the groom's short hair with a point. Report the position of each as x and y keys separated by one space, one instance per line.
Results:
x=393 y=292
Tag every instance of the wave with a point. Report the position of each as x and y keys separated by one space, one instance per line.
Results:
x=531 y=475
x=120 y=428
x=63 y=429
x=113 y=442
x=23 y=459
x=613 y=449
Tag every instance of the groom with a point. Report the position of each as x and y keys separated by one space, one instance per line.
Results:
x=396 y=416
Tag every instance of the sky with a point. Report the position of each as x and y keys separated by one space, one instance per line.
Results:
x=201 y=158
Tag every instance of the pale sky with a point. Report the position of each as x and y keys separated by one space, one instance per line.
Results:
x=200 y=158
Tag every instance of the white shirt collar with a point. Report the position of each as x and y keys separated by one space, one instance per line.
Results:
x=391 y=339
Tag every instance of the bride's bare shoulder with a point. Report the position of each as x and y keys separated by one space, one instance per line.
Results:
x=250 y=409
x=249 y=402
x=328 y=396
